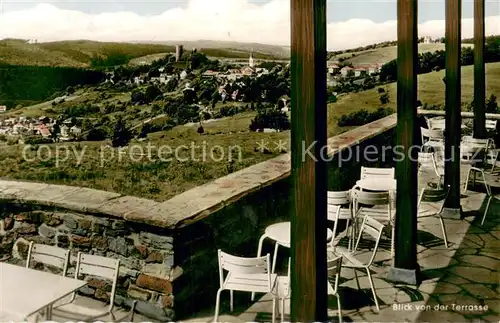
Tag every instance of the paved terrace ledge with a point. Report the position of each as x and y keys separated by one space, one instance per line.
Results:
x=185 y=208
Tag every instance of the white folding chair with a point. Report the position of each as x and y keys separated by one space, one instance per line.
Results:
x=352 y=259
x=246 y=275
x=489 y=192
x=340 y=208
x=437 y=123
x=434 y=196
x=98 y=266
x=432 y=138
x=334 y=267
x=382 y=209
x=48 y=255
x=373 y=172
x=491 y=124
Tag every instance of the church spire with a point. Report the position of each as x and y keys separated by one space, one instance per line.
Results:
x=250 y=60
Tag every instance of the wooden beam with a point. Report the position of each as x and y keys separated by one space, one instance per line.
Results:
x=479 y=74
x=453 y=103
x=406 y=169
x=309 y=299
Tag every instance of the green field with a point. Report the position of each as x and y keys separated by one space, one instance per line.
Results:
x=161 y=180
x=386 y=54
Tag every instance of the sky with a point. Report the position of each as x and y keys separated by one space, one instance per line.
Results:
x=351 y=23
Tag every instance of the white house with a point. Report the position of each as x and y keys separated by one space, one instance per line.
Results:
x=428 y=40
x=359 y=71
x=75 y=131
x=346 y=71
x=64 y=131
x=183 y=75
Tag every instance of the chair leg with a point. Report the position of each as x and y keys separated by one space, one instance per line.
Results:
x=274 y=310
x=467 y=181
x=486 y=209
x=444 y=232
x=373 y=289
x=339 y=308
x=217 y=304
x=283 y=309
x=356 y=277
x=231 y=300
x=392 y=242
x=275 y=257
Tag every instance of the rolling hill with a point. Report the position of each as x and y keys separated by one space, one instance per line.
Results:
x=84 y=53
x=385 y=54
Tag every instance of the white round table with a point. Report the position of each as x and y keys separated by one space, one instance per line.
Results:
x=280 y=233
x=377 y=184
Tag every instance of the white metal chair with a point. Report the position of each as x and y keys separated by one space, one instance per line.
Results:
x=489 y=192
x=434 y=196
x=102 y=267
x=352 y=259
x=246 y=275
x=491 y=124
x=382 y=173
x=334 y=268
x=475 y=142
x=340 y=208
x=382 y=211
x=48 y=255
x=432 y=138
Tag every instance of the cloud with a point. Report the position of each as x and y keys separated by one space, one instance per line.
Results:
x=228 y=20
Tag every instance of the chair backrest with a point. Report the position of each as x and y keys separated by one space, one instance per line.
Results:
x=339 y=197
x=48 y=255
x=334 y=267
x=374 y=229
x=469 y=152
x=370 y=198
x=431 y=134
x=436 y=123
x=434 y=196
x=243 y=265
x=491 y=124
x=475 y=142
x=371 y=172
x=99 y=266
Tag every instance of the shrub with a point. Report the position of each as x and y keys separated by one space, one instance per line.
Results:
x=37 y=140
x=362 y=117
x=273 y=119
x=491 y=104
x=381 y=90
x=385 y=98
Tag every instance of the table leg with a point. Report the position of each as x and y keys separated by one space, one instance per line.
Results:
x=275 y=256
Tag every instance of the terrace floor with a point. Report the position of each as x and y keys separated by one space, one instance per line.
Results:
x=460 y=284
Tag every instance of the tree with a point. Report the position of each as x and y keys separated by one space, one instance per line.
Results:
x=56 y=130
x=385 y=98
x=200 y=129
x=152 y=92
x=121 y=135
x=138 y=97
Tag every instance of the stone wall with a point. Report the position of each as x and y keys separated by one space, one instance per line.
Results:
x=146 y=257
x=168 y=250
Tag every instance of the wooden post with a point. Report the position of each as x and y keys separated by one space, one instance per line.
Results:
x=309 y=299
x=405 y=262
x=479 y=74
x=453 y=107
